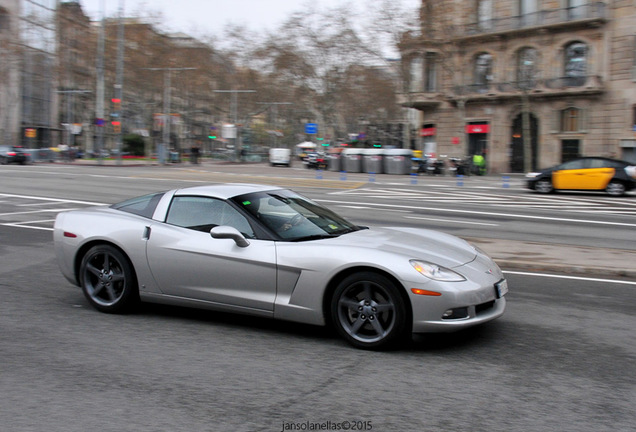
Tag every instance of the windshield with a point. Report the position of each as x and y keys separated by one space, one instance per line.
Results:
x=294 y=217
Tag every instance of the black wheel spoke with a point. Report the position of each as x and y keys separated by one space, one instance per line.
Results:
x=107 y=279
x=368 y=311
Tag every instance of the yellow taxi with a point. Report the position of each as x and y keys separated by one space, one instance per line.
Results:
x=586 y=174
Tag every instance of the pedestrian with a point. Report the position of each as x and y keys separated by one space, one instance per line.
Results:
x=194 y=154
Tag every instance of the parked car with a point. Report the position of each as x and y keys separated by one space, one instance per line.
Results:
x=14 y=154
x=316 y=160
x=280 y=156
x=270 y=252
x=586 y=174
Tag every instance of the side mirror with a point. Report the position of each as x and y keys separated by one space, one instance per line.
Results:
x=228 y=232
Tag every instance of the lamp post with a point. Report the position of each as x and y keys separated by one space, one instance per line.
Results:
x=234 y=115
x=161 y=149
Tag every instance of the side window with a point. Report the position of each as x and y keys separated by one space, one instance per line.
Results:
x=143 y=206
x=597 y=163
x=572 y=165
x=203 y=214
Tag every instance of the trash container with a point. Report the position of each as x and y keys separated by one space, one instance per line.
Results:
x=397 y=161
x=372 y=161
x=334 y=162
x=174 y=157
x=351 y=160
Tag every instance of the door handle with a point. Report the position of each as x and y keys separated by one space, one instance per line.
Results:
x=146 y=235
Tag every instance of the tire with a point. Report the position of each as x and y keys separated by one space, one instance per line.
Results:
x=615 y=188
x=108 y=280
x=544 y=186
x=368 y=311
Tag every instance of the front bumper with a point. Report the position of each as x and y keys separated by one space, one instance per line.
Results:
x=474 y=301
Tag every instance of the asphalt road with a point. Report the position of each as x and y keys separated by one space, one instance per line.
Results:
x=561 y=358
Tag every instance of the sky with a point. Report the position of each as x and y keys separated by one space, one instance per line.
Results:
x=211 y=16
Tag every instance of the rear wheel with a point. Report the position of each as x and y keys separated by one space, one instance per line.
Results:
x=544 y=186
x=108 y=280
x=368 y=311
x=615 y=188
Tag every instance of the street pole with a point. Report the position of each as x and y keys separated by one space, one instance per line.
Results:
x=274 y=115
x=70 y=113
x=99 y=103
x=234 y=116
x=161 y=148
x=119 y=81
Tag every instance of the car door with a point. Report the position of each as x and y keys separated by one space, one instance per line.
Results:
x=187 y=262
x=600 y=172
x=569 y=175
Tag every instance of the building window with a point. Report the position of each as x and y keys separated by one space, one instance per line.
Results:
x=430 y=72
x=634 y=59
x=575 y=64
x=484 y=14
x=416 y=74
x=575 y=9
x=528 y=12
x=423 y=73
x=573 y=120
x=483 y=71
x=527 y=67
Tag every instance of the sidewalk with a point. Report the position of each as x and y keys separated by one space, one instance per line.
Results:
x=559 y=258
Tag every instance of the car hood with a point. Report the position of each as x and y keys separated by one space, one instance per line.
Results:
x=413 y=243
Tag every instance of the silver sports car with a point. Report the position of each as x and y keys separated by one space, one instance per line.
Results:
x=267 y=251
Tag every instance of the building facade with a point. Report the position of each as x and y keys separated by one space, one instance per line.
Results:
x=28 y=100
x=527 y=83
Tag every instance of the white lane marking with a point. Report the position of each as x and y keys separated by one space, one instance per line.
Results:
x=450 y=220
x=37 y=211
x=19 y=225
x=510 y=215
x=59 y=200
x=570 y=277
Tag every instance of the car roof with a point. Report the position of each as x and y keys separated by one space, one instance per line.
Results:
x=600 y=157
x=225 y=191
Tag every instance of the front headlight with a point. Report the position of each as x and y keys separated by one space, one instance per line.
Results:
x=435 y=272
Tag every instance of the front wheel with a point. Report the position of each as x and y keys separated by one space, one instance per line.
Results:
x=544 y=186
x=615 y=189
x=108 y=280
x=368 y=311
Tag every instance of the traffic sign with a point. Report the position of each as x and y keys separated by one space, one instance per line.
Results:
x=311 y=128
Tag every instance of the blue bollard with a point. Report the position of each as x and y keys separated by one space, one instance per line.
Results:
x=371 y=177
x=319 y=174
x=506 y=182
x=413 y=178
x=460 y=180
x=343 y=175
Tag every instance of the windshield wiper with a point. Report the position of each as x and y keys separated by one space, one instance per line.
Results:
x=314 y=237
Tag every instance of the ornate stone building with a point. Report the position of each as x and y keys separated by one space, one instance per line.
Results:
x=529 y=83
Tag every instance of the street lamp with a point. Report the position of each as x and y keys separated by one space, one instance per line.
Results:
x=166 y=108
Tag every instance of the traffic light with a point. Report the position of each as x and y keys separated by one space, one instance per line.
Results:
x=116 y=126
x=116 y=104
x=212 y=136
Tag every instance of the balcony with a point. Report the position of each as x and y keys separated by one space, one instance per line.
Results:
x=490 y=92
x=563 y=18
x=421 y=100
x=538 y=88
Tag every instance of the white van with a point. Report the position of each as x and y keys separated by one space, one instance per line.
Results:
x=280 y=156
